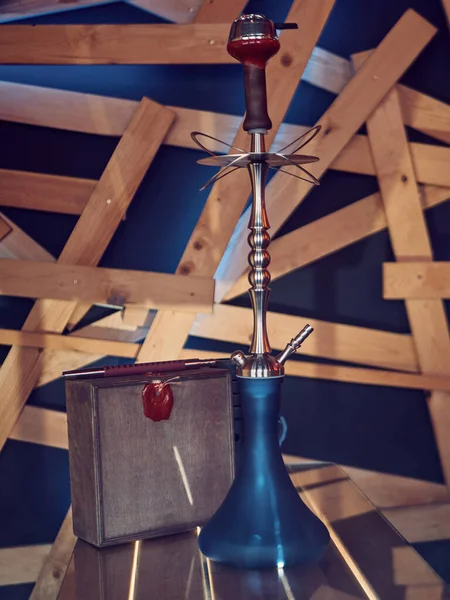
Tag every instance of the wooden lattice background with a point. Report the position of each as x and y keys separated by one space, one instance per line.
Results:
x=412 y=177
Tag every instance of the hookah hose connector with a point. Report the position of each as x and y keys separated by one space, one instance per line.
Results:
x=294 y=344
x=265 y=365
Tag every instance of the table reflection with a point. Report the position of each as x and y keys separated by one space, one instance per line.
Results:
x=172 y=568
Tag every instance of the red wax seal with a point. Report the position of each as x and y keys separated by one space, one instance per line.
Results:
x=157 y=398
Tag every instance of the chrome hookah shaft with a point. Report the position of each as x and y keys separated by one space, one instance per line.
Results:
x=259 y=257
x=260 y=362
x=253 y=41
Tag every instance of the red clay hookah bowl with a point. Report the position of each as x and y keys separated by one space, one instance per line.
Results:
x=253 y=41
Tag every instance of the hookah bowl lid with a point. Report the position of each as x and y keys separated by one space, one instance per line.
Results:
x=252 y=26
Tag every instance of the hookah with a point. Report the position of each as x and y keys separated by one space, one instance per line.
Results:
x=262 y=522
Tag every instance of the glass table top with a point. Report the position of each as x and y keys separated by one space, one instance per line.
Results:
x=367 y=558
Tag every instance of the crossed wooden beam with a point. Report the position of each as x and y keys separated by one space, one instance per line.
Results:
x=182 y=11
x=40 y=352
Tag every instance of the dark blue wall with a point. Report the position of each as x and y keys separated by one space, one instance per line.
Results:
x=372 y=427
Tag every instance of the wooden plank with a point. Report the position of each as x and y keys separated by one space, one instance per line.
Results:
x=330 y=340
x=179 y=11
x=228 y=197
x=41 y=426
x=68 y=589
x=113 y=184
x=409 y=567
x=168 y=332
x=21 y=564
x=62 y=109
x=115 y=44
x=332 y=73
x=55 y=566
x=293 y=460
x=55 y=362
x=110 y=116
x=446 y=6
x=427 y=523
x=425 y=113
x=137 y=316
x=386 y=567
x=56 y=341
x=20 y=371
x=422 y=592
x=18 y=244
x=112 y=328
x=185 y=11
x=336 y=486
x=30 y=279
x=340 y=122
x=11 y=10
x=79 y=312
x=410 y=241
x=387 y=491
x=367 y=376
x=422 y=280
x=5 y=229
x=101 y=115
x=219 y=11
x=328 y=71
x=50 y=193
x=21 y=246
x=331 y=233
x=221 y=126
x=438 y=405
x=346 y=374
x=429 y=161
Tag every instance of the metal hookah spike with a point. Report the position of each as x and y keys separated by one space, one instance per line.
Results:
x=275 y=160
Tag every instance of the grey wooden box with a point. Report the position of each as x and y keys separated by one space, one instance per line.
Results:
x=134 y=478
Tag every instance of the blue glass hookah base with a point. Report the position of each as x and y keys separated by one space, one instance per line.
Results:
x=263 y=522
